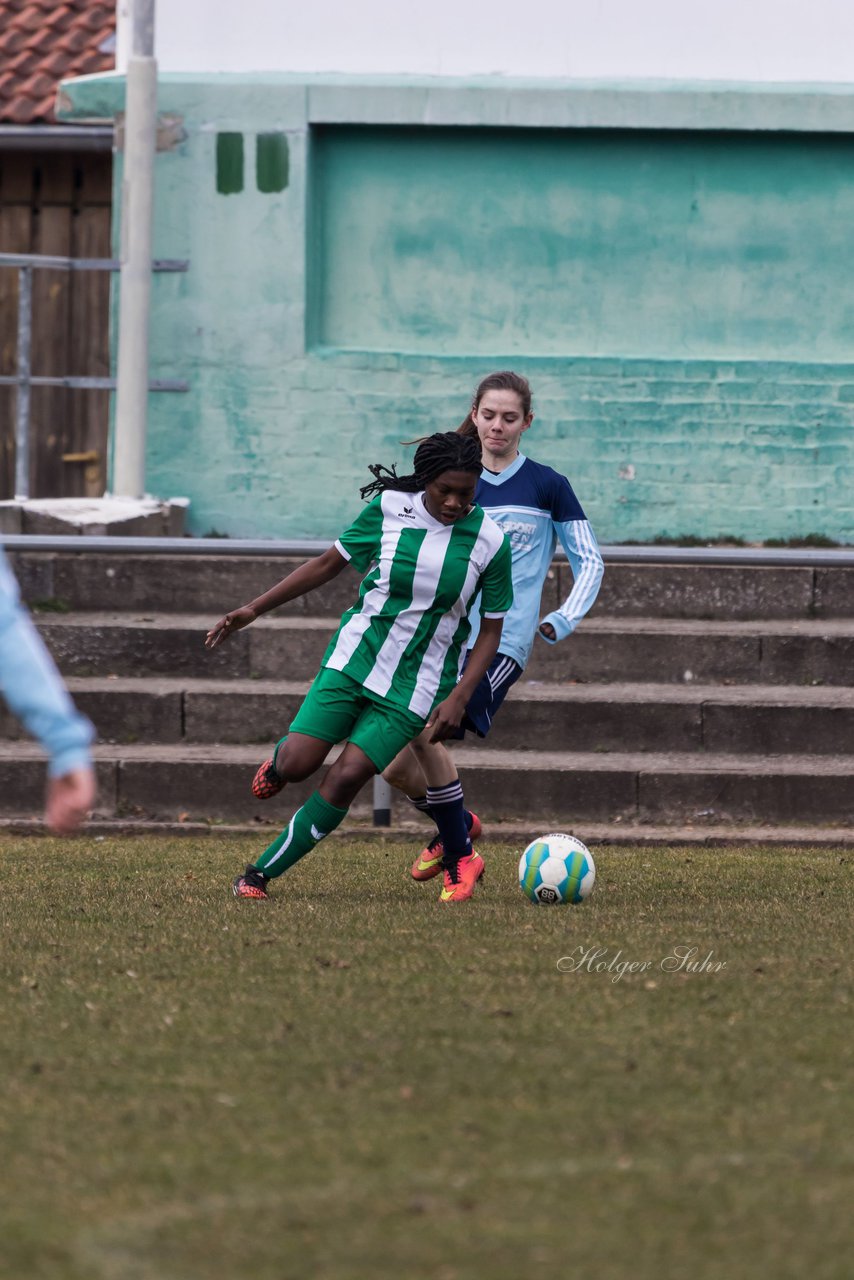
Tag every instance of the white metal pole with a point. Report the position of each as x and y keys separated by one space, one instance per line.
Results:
x=135 y=256
x=22 y=433
x=382 y=802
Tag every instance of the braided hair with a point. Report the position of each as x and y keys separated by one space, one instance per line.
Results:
x=444 y=451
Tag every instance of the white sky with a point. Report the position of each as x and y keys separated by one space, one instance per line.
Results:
x=747 y=40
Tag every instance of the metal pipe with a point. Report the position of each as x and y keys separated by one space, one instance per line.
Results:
x=22 y=414
x=755 y=557
x=382 y=802
x=142 y=29
x=137 y=219
x=56 y=137
x=93 y=384
x=53 y=262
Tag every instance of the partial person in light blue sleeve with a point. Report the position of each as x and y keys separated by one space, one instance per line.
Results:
x=35 y=693
x=535 y=506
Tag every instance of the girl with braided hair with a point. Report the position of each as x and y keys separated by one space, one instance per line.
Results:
x=535 y=506
x=392 y=669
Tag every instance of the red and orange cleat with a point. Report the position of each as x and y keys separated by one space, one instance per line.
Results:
x=266 y=782
x=252 y=884
x=461 y=877
x=429 y=861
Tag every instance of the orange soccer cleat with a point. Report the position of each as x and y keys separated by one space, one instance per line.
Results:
x=429 y=861
x=460 y=878
x=266 y=782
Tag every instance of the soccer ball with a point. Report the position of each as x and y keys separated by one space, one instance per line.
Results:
x=556 y=868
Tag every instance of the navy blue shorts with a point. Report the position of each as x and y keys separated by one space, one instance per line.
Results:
x=501 y=674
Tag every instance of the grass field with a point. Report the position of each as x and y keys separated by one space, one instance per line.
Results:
x=350 y=1081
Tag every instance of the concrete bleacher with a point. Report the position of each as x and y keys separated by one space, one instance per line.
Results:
x=697 y=701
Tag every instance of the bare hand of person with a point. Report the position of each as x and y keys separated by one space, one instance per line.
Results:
x=228 y=625
x=445 y=718
x=547 y=631
x=69 y=800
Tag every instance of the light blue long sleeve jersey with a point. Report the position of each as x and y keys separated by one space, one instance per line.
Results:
x=33 y=687
x=535 y=506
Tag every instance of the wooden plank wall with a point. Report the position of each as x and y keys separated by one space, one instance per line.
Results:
x=60 y=203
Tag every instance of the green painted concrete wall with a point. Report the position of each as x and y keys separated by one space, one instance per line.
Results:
x=552 y=241
x=677 y=297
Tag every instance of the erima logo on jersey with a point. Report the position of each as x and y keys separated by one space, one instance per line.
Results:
x=407 y=513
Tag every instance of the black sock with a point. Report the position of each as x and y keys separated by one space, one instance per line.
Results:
x=446 y=805
x=421 y=803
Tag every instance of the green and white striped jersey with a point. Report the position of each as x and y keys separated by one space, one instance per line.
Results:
x=403 y=641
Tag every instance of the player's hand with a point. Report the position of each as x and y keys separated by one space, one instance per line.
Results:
x=445 y=718
x=69 y=799
x=548 y=631
x=228 y=625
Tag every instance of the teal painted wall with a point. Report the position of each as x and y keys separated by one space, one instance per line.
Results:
x=678 y=300
x=544 y=242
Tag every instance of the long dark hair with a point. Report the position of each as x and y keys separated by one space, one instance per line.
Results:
x=504 y=380
x=444 y=451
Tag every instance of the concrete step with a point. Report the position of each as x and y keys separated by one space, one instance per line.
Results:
x=602 y=650
x=211 y=783
x=176 y=782
x=755 y=719
x=513 y=833
x=212 y=584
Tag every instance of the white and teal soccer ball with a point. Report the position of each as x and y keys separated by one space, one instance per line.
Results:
x=556 y=868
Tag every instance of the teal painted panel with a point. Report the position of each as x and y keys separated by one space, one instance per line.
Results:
x=229 y=163
x=271 y=162
x=545 y=242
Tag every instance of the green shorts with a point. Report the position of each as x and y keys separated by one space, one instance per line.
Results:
x=337 y=708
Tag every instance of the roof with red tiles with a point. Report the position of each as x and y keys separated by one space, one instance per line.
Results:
x=45 y=41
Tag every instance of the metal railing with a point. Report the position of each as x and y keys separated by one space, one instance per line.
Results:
x=762 y=557
x=24 y=379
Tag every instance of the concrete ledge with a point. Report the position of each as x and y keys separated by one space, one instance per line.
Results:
x=713 y=591
x=547 y=788
x=498 y=101
x=95 y=517
x=189 y=582
x=641 y=650
x=597 y=719
x=834 y=593
x=91 y=645
x=506 y=835
x=168 y=584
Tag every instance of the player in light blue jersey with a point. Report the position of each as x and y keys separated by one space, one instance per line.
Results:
x=535 y=506
x=35 y=692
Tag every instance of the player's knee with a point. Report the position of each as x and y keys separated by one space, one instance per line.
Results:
x=345 y=780
x=295 y=772
x=292 y=766
x=395 y=775
x=421 y=746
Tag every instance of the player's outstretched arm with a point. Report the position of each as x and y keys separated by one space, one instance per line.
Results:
x=308 y=577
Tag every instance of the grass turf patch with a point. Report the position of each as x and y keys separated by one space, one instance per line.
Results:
x=352 y=1081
